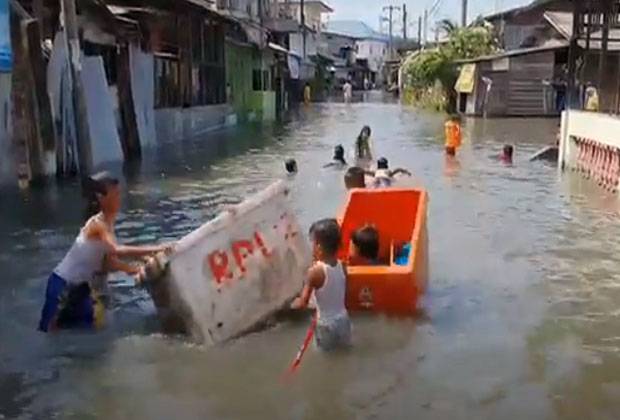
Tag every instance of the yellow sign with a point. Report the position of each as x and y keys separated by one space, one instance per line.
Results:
x=465 y=83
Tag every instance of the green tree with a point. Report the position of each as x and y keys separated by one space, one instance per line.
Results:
x=425 y=70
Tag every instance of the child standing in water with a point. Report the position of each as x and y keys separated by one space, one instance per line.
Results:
x=68 y=299
x=362 y=144
x=355 y=178
x=453 y=134
x=327 y=281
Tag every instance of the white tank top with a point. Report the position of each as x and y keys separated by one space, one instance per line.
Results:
x=383 y=173
x=84 y=259
x=330 y=299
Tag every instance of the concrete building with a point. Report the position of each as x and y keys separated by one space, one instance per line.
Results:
x=369 y=50
x=302 y=42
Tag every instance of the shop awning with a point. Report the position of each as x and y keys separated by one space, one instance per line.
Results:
x=466 y=80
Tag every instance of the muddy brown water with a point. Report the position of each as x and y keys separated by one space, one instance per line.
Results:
x=521 y=320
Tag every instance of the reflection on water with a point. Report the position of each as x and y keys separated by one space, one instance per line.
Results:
x=520 y=321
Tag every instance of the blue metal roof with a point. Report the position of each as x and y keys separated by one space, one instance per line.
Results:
x=353 y=29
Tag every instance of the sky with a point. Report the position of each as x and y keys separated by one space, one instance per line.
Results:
x=370 y=10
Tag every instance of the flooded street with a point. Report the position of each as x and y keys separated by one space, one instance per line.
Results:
x=521 y=321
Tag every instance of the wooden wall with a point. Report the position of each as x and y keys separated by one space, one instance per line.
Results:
x=519 y=90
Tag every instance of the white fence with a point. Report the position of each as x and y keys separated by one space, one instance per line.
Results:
x=590 y=145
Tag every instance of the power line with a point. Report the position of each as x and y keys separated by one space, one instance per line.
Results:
x=435 y=8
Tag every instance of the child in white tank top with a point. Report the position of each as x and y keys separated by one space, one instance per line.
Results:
x=327 y=282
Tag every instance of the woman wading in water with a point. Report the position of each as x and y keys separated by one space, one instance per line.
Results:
x=69 y=302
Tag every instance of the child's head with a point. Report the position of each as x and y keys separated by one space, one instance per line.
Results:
x=456 y=118
x=339 y=153
x=383 y=163
x=508 y=151
x=354 y=178
x=103 y=192
x=365 y=244
x=325 y=237
x=291 y=166
x=365 y=133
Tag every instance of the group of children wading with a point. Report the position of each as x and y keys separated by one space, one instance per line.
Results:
x=326 y=282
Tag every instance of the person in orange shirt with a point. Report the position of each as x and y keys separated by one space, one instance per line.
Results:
x=453 y=134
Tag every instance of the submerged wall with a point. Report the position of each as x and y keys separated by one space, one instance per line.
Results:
x=183 y=123
x=7 y=167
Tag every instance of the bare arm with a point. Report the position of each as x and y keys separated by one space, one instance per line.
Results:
x=113 y=263
x=98 y=231
x=400 y=171
x=316 y=279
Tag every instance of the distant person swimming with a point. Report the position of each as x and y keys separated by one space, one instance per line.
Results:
x=291 y=166
x=338 y=160
x=69 y=301
x=507 y=154
x=383 y=176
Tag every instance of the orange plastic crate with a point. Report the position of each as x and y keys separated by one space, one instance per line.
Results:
x=400 y=217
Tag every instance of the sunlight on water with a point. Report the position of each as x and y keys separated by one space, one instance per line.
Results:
x=521 y=320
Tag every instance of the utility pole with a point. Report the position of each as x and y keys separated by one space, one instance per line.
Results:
x=464 y=14
x=302 y=19
x=425 y=26
x=420 y=31
x=85 y=156
x=391 y=9
x=404 y=22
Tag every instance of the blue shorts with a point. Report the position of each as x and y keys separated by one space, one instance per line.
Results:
x=334 y=334
x=67 y=306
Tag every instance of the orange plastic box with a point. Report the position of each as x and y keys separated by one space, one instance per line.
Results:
x=400 y=217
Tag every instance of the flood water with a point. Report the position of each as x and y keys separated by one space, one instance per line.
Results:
x=521 y=320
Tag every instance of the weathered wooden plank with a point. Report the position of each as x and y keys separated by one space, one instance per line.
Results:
x=130 y=136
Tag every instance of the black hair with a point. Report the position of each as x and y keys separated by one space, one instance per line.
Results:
x=454 y=117
x=355 y=177
x=366 y=240
x=358 y=143
x=508 y=150
x=291 y=166
x=383 y=163
x=95 y=186
x=339 y=154
x=326 y=233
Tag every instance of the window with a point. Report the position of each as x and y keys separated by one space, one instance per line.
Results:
x=261 y=80
x=167 y=92
x=257 y=79
x=208 y=76
x=109 y=55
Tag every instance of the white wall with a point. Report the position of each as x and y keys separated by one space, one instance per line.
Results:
x=296 y=43
x=373 y=51
x=142 y=88
x=313 y=14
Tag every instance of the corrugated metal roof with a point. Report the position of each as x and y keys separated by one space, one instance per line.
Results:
x=326 y=7
x=516 y=10
x=550 y=45
x=353 y=29
x=563 y=23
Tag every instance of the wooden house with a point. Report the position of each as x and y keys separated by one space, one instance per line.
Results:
x=526 y=78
